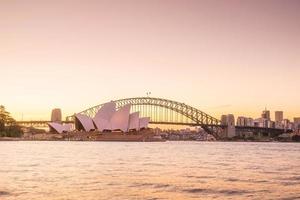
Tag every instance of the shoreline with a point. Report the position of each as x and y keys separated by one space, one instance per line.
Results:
x=140 y=136
x=13 y=139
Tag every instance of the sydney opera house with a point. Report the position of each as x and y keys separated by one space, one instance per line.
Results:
x=107 y=119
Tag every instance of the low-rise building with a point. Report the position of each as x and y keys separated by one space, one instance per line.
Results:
x=297 y=123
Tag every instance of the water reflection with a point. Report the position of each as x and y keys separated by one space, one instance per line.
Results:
x=171 y=170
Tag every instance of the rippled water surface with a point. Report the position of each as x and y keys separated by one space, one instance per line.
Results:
x=170 y=170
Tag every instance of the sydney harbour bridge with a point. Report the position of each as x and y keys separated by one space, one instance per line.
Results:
x=161 y=111
x=168 y=112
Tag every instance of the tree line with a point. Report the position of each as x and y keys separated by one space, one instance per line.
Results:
x=8 y=125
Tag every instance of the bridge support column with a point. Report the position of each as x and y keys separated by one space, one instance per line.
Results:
x=229 y=121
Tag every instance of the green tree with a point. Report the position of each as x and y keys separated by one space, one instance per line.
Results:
x=8 y=126
x=3 y=115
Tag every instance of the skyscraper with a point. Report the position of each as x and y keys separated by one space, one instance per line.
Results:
x=278 y=116
x=266 y=114
x=56 y=115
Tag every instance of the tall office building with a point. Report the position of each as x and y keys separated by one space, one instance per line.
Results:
x=278 y=116
x=228 y=120
x=266 y=114
x=230 y=126
x=224 y=120
x=56 y=115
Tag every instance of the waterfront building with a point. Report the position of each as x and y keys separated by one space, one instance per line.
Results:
x=250 y=122
x=261 y=122
x=245 y=121
x=144 y=121
x=271 y=124
x=56 y=122
x=287 y=124
x=224 y=120
x=83 y=122
x=297 y=123
x=103 y=116
x=134 y=121
x=241 y=121
x=60 y=128
x=229 y=121
x=265 y=121
x=108 y=118
x=120 y=119
x=231 y=126
x=278 y=116
x=279 y=125
x=257 y=122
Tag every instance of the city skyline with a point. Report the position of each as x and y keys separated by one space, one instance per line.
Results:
x=219 y=57
x=149 y=99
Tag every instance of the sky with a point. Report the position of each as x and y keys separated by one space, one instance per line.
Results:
x=219 y=56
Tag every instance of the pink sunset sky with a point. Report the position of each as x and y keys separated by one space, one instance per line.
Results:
x=219 y=56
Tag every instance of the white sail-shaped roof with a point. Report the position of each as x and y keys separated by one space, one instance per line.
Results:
x=106 y=111
x=104 y=115
x=120 y=119
x=134 y=121
x=102 y=124
x=86 y=122
x=59 y=128
x=56 y=126
x=67 y=127
x=144 y=122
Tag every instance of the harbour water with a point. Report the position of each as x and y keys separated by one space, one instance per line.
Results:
x=168 y=170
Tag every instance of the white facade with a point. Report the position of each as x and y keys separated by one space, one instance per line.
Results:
x=144 y=122
x=106 y=111
x=134 y=121
x=108 y=118
x=67 y=127
x=103 y=116
x=86 y=122
x=102 y=124
x=120 y=119
x=59 y=128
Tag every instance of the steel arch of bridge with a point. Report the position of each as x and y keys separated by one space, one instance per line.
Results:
x=161 y=111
